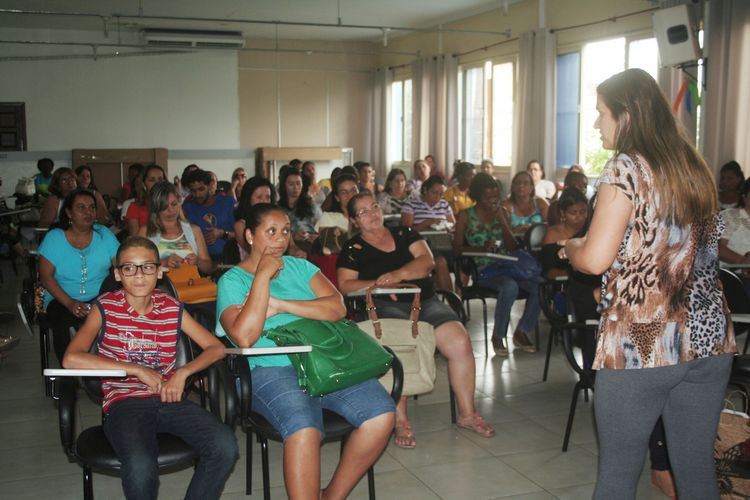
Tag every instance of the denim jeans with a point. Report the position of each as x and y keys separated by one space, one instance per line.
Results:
x=278 y=397
x=131 y=426
x=507 y=292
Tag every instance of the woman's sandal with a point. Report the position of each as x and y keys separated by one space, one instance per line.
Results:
x=404 y=437
x=476 y=423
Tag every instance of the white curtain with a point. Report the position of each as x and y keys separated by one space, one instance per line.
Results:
x=534 y=119
x=671 y=81
x=726 y=130
x=435 y=110
x=380 y=111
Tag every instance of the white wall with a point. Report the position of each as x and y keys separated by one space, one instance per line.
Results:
x=183 y=102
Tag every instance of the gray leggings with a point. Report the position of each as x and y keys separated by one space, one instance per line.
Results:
x=689 y=397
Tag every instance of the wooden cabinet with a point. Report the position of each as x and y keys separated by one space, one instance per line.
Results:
x=110 y=166
x=269 y=160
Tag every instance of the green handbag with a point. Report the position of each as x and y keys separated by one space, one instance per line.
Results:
x=342 y=354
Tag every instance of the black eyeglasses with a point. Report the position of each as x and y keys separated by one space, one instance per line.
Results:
x=148 y=268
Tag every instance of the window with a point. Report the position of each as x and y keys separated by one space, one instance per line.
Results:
x=567 y=105
x=486 y=104
x=599 y=61
x=399 y=145
x=12 y=127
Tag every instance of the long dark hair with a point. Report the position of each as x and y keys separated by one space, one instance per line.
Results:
x=391 y=176
x=304 y=206
x=92 y=185
x=63 y=221
x=519 y=174
x=254 y=216
x=336 y=205
x=246 y=194
x=646 y=126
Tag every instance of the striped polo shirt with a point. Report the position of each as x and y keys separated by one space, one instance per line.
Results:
x=422 y=211
x=149 y=340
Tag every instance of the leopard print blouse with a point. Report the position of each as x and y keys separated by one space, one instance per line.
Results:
x=662 y=300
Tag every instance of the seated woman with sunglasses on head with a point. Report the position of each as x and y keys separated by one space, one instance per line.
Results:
x=267 y=290
x=387 y=256
x=74 y=260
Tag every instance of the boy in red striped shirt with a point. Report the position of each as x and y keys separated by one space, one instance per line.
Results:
x=139 y=328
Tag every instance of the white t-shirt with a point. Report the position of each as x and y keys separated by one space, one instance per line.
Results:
x=545 y=189
x=737 y=232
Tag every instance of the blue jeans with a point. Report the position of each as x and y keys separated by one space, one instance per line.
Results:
x=507 y=292
x=131 y=426
x=278 y=397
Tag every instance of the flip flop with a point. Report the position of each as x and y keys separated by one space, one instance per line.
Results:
x=403 y=436
x=476 y=423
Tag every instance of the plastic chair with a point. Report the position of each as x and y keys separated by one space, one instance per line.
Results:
x=533 y=237
x=586 y=376
x=475 y=292
x=335 y=427
x=91 y=448
x=737 y=300
x=547 y=292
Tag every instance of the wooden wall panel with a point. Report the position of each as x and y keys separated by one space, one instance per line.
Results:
x=303 y=108
x=258 y=113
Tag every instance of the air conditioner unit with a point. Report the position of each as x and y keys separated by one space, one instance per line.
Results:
x=193 y=39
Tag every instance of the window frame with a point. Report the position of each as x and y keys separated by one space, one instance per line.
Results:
x=404 y=146
x=486 y=65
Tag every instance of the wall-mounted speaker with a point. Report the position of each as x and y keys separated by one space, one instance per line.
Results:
x=675 y=35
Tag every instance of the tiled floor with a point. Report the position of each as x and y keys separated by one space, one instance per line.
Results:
x=524 y=460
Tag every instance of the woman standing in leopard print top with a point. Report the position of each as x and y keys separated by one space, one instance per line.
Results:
x=664 y=346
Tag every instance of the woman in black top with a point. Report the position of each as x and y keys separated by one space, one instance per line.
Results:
x=387 y=256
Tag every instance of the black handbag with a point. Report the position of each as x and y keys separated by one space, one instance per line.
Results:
x=342 y=355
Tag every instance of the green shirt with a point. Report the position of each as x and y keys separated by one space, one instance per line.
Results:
x=293 y=283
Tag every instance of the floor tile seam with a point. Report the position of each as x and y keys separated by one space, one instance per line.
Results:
x=541 y=488
x=522 y=474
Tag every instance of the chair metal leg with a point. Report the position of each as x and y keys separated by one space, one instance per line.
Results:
x=249 y=462
x=484 y=316
x=552 y=333
x=571 y=415
x=44 y=355
x=453 y=404
x=371 y=482
x=88 y=486
x=266 y=480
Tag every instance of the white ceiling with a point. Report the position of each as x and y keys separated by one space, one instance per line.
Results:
x=380 y=13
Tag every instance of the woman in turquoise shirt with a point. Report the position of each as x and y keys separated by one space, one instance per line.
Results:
x=269 y=289
x=74 y=259
x=524 y=207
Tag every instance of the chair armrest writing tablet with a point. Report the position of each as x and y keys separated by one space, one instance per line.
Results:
x=384 y=291
x=742 y=265
x=264 y=351
x=74 y=372
x=490 y=255
x=592 y=322
x=561 y=278
x=741 y=318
